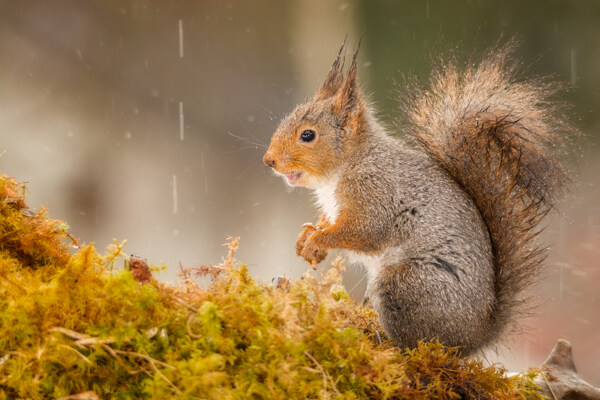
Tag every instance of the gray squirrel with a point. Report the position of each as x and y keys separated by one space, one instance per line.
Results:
x=447 y=228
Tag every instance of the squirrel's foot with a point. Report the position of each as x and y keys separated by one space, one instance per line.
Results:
x=309 y=248
x=307 y=230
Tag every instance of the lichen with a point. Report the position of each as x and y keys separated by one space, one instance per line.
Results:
x=73 y=322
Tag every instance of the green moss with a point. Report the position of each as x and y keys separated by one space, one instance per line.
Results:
x=70 y=322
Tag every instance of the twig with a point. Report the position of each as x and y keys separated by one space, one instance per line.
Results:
x=81 y=339
x=175 y=388
x=113 y=353
x=84 y=358
x=325 y=376
x=69 y=333
x=146 y=357
x=548 y=383
x=73 y=239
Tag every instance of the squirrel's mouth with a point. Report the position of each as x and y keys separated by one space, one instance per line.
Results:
x=293 y=177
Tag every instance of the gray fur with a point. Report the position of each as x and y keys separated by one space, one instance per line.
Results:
x=447 y=232
x=441 y=286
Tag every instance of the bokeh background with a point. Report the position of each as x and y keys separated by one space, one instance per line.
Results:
x=146 y=121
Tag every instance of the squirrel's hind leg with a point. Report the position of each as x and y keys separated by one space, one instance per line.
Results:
x=415 y=302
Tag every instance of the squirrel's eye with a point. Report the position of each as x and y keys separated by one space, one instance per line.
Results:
x=307 y=136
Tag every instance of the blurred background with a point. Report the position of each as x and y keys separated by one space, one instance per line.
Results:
x=147 y=121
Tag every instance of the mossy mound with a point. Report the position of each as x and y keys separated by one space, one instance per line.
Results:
x=74 y=326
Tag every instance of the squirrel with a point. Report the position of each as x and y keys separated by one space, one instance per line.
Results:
x=446 y=222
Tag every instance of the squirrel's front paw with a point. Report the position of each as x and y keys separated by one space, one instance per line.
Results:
x=311 y=251
x=307 y=230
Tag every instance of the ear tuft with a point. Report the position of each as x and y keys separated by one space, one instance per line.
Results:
x=347 y=101
x=335 y=78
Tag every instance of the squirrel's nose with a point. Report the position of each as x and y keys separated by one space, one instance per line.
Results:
x=268 y=160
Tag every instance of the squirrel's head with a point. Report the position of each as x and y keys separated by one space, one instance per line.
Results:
x=313 y=141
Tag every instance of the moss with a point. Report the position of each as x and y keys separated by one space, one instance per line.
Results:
x=71 y=322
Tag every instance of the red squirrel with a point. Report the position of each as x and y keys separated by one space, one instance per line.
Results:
x=446 y=225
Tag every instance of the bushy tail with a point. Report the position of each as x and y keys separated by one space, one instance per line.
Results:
x=498 y=137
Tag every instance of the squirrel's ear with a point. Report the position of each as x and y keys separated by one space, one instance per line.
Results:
x=335 y=78
x=347 y=101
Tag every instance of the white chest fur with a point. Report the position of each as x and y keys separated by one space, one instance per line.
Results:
x=329 y=204
x=327 y=200
x=372 y=263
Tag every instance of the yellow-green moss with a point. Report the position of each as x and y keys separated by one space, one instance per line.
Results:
x=71 y=323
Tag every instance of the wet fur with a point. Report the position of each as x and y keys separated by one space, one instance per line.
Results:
x=446 y=231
